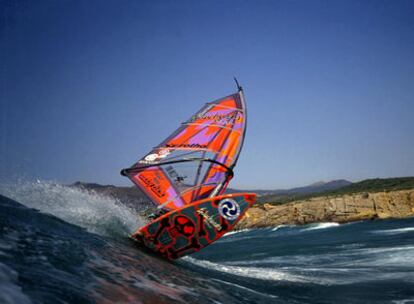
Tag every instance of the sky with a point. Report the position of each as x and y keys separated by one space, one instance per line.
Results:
x=89 y=87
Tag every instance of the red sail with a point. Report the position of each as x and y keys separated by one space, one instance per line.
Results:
x=196 y=161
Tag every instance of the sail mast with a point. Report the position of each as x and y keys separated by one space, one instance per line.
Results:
x=196 y=160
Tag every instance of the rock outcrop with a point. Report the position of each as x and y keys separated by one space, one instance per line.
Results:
x=346 y=208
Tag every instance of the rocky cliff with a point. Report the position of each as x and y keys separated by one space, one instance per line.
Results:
x=345 y=208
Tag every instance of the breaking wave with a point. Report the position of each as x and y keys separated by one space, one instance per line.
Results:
x=94 y=212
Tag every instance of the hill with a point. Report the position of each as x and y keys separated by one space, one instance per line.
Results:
x=368 y=185
x=281 y=196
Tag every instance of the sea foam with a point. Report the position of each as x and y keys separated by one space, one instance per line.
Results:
x=248 y=272
x=394 y=231
x=96 y=213
x=321 y=226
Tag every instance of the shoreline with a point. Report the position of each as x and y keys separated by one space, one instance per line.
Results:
x=340 y=209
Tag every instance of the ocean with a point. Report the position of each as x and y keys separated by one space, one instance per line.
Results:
x=60 y=244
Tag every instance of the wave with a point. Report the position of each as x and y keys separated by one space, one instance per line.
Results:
x=237 y=232
x=400 y=256
x=278 y=227
x=281 y=226
x=394 y=231
x=248 y=272
x=246 y=288
x=404 y=301
x=10 y=291
x=351 y=257
x=96 y=213
x=321 y=226
x=242 y=235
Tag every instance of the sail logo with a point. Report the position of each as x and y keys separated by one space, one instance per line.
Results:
x=190 y=146
x=229 y=209
x=232 y=117
x=209 y=220
x=153 y=185
x=155 y=157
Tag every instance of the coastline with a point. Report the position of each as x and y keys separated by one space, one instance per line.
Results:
x=341 y=209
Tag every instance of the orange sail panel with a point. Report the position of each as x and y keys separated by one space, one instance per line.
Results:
x=196 y=161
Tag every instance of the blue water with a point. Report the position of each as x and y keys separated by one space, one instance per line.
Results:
x=75 y=250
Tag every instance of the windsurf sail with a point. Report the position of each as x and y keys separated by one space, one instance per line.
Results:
x=197 y=160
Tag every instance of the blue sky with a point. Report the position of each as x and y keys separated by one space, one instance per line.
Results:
x=88 y=87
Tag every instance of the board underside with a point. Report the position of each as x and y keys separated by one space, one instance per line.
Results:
x=187 y=230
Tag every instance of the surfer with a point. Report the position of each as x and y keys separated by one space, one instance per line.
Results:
x=179 y=179
x=192 y=210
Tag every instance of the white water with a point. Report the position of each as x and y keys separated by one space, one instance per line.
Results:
x=321 y=226
x=248 y=272
x=281 y=226
x=402 y=256
x=315 y=226
x=351 y=266
x=350 y=263
x=394 y=231
x=236 y=232
x=246 y=288
x=94 y=212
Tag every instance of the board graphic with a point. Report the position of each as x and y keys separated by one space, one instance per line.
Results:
x=194 y=227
